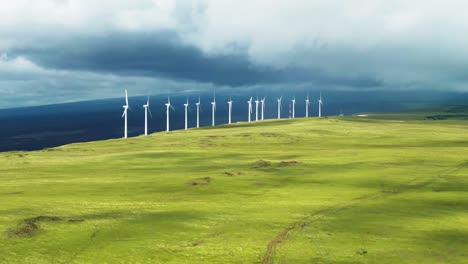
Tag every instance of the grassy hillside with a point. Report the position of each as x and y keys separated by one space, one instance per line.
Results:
x=454 y=112
x=331 y=190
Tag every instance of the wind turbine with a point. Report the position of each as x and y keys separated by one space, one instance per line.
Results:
x=230 y=109
x=307 y=105
x=213 y=110
x=293 y=106
x=168 y=105
x=263 y=106
x=146 y=106
x=256 y=109
x=320 y=103
x=279 y=106
x=250 y=107
x=198 y=112
x=124 y=115
x=186 y=107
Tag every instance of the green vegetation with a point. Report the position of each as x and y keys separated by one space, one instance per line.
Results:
x=331 y=190
x=456 y=112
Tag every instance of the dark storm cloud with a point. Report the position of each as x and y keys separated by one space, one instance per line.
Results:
x=85 y=49
x=163 y=55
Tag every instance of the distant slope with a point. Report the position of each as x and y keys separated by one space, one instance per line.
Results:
x=330 y=190
x=458 y=112
x=38 y=127
x=454 y=112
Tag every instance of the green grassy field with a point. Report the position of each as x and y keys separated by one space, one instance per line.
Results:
x=331 y=190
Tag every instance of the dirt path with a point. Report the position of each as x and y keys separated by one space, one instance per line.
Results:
x=289 y=232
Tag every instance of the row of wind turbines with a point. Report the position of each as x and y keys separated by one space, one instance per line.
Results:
x=258 y=103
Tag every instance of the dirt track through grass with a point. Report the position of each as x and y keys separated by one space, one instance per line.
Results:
x=289 y=232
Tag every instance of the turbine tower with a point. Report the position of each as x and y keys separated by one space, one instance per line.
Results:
x=198 y=112
x=124 y=115
x=213 y=110
x=293 y=107
x=307 y=105
x=168 y=105
x=230 y=109
x=320 y=103
x=263 y=106
x=186 y=114
x=250 y=107
x=279 y=106
x=256 y=109
x=146 y=106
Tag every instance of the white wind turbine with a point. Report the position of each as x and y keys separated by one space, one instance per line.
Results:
x=146 y=106
x=198 y=112
x=230 y=109
x=213 y=110
x=320 y=103
x=293 y=106
x=168 y=105
x=250 y=107
x=307 y=105
x=256 y=109
x=279 y=106
x=124 y=115
x=186 y=114
x=263 y=106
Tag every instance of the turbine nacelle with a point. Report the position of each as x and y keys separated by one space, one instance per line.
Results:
x=214 y=105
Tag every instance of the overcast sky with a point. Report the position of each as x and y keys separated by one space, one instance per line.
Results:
x=55 y=51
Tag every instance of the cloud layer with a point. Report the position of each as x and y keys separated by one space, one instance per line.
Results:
x=54 y=51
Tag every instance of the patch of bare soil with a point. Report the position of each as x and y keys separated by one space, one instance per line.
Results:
x=30 y=226
x=262 y=164
x=290 y=163
x=75 y=220
x=233 y=173
x=197 y=243
x=201 y=181
x=245 y=135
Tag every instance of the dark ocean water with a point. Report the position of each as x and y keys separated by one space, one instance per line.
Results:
x=33 y=128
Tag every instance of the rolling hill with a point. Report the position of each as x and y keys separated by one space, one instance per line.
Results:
x=330 y=190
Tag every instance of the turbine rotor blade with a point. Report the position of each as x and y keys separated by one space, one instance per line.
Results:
x=149 y=110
